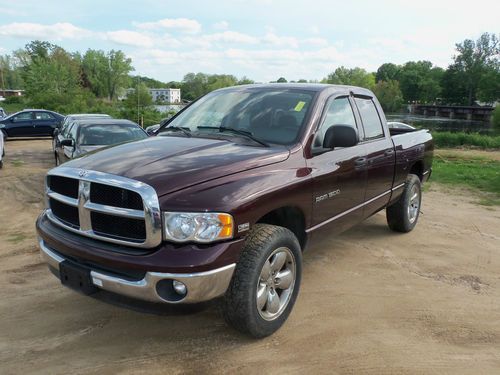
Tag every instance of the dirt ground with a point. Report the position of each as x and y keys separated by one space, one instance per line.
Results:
x=371 y=301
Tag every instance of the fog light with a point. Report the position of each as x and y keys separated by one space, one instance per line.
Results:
x=179 y=287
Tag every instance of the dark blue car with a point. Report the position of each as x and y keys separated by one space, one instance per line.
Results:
x=30 y=123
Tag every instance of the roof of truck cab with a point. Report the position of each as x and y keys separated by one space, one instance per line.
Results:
x=316 y=87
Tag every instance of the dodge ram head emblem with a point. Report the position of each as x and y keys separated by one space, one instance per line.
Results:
x=83 y=173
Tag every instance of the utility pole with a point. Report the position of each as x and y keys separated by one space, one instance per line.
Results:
x=137 y=93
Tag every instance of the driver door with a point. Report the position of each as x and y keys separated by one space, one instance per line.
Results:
x=22 y=125
x=339 y=175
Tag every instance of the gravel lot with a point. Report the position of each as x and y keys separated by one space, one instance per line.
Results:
x=371 y=301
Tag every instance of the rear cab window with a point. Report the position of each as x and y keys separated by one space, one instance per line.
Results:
x=370 y=118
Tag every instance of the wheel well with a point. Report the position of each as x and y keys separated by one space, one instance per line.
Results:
x=291 y=218
x=418 y=169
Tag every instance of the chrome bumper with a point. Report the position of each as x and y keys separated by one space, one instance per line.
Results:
x=202 y=286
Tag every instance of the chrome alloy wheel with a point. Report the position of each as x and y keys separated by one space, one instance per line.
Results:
x=275 y=284
x=413 y=204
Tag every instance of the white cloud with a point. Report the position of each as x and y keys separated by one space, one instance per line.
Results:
x=222 y=25
x=287 y=41
x=314 y=29
x=182 y=24
x=321 y=42
x=56 y=31
x=129 y=38
x=231 y=37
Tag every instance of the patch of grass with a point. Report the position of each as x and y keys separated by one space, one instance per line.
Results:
x=477 y=173
x=12 y=107
x=16 y=237
x=17 y=162
x=461 y=139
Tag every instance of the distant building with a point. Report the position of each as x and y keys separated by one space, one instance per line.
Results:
x=8 y=92
x=171 y=96
x=166 y=95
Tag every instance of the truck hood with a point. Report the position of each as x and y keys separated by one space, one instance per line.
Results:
x=172 y=163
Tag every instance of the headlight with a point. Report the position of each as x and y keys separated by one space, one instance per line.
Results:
x=197 y=227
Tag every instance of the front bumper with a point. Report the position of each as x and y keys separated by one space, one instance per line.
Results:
x=201 y=286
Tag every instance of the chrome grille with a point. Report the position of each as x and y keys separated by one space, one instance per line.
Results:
x=107 y=207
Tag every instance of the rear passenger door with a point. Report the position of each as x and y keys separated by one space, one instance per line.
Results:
x=44 y=123
x=339 y=175
x=380 y=155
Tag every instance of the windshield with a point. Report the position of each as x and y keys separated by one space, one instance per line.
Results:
x=109 y=134
x=270 y=115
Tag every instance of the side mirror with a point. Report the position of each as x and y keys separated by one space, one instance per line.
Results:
x=67 y=142
x=340 y=136
x=56 y=132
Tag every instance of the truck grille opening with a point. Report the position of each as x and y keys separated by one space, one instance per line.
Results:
x=118 y=227
x=63 y=185
x=115 y=196
x=65 y=213
x=104 y=207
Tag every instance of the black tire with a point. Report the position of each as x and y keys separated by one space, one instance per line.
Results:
x=240 y=302
x=402 y=216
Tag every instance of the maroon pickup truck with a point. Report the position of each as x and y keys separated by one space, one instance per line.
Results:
x=229 y=193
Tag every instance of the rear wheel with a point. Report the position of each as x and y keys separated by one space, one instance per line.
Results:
x=266 y=281
x=403 y=215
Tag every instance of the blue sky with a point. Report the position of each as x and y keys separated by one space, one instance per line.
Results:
x=261 y=39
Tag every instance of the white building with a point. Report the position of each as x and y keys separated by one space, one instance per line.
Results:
x=166 y=95
x=171 y=96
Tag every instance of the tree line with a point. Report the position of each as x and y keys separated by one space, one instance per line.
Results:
x=95 y=81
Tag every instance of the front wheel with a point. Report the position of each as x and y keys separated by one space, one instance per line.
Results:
x=402 y=216
x=266 y=281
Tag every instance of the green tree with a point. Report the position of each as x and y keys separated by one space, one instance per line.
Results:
x=496 y=119
x=245 y=81
x=282 y=80
x=10 y=73
x=51 y=76
x=388 y=72
x=106 y=73
x=474 y=61
x=420 y=81
x=353 y=77
x=389 y=95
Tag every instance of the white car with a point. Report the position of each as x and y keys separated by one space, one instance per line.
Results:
x=2 y=151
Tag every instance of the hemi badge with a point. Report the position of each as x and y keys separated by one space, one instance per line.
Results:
x=243 y=227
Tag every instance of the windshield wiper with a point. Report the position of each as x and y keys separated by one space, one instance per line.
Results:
x=185 y=131
x=244 y=133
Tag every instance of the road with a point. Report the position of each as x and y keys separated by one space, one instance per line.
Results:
x=371 y=301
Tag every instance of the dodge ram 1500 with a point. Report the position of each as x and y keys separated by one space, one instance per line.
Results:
x=229 y=193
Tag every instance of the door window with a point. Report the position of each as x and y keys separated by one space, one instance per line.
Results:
x=72 y=132
x=338 y=112
x=43 y=116
x=370 y=118
x=23 y=116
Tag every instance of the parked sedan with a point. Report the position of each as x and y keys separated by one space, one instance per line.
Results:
x=2 y=150
x=30 y=123
x=68 y=120
x=86 y=135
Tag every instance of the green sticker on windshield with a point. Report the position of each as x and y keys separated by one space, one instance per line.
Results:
x=299 y=106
